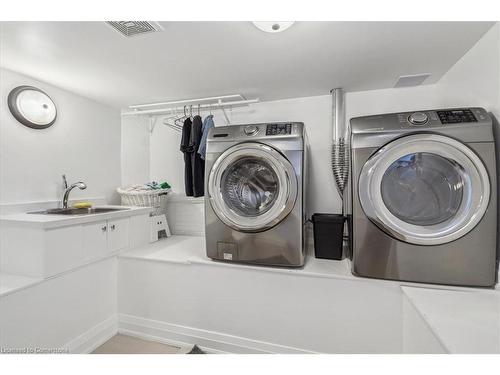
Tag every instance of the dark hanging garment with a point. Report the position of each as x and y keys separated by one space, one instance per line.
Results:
x=197 y=163
x=188 y=151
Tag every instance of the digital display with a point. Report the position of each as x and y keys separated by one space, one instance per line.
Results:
x=278 y=129
x=456 y=116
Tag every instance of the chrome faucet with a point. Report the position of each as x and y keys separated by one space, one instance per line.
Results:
x=80 y=185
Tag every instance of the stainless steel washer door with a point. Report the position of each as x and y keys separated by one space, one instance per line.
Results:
x=425 y=189
x=252 y=187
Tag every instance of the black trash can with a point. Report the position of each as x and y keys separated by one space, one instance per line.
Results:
x=328 y=235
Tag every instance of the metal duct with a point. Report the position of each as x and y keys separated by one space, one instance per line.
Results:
x=340 y=144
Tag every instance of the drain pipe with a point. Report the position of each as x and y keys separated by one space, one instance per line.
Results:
x=341 y=134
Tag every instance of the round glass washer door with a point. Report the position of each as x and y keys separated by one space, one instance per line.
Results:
x=424 y=189
x=252 y=187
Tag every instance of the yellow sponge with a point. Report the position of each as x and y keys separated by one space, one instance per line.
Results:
x=82 y=205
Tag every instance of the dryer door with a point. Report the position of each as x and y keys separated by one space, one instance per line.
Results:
x=252 y=187
x=424 y=189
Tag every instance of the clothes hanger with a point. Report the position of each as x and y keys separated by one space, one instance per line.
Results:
x=180 y=120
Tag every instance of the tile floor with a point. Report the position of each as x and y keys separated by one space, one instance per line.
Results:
x=122 y=344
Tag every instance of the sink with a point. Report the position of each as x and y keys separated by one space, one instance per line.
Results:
x=78 y=211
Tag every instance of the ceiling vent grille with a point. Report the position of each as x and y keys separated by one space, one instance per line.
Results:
x=412 y=80
x=132 y=28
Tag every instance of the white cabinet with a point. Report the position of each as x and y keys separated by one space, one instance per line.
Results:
x=39 y=253
x=105 y=237
x=63 y=249
x=36 y=251
x=118 y=238
x=95 y=240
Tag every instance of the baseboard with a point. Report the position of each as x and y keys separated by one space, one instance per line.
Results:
x=94 y=337
x=210 y=341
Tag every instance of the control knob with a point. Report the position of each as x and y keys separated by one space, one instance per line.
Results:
x=418 y=118
x=251 y=129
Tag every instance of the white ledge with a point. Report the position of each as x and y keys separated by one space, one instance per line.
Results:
x=10 y=283
x=463 y=321
x=191 y=250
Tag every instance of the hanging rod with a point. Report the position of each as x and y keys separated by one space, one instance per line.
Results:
x=217 y=105
x=212 y=98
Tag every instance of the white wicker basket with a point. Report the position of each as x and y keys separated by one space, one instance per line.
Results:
x=143 y=198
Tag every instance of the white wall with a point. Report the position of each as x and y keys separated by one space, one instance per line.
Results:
x=475 y=79
x=135 y=151
x=84 y=143
x=165 y=159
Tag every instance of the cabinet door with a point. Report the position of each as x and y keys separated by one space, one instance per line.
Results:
x=95 y=240
x=118 y=236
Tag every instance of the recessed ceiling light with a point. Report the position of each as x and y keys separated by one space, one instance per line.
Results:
x=273 y=26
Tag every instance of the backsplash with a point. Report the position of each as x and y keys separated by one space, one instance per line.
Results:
x=185 y=215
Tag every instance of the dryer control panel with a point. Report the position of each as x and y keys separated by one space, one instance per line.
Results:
x=441 y=117
x=278 y=129
x=470 y=124
x=456 y=116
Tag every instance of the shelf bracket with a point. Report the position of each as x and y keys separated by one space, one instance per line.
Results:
x=224 y=112
x=152 y=123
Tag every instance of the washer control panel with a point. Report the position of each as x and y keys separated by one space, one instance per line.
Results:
x=279 y=129
x=456 y=116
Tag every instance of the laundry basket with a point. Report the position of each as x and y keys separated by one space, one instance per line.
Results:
x=144 y=198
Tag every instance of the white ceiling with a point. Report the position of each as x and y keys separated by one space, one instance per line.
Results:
x=197 y=59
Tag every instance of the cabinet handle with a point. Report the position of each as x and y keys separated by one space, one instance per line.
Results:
x=113 y=227
x=104 y=228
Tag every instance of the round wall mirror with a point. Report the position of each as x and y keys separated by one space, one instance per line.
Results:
x=32 y=107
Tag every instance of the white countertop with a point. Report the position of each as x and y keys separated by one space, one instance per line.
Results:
x=463 y=321
x=54 y=221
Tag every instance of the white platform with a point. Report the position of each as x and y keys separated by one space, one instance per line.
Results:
x=321 y=307
x=191 y=250
x=462 y=321
x=10 y=283
x=171 y=291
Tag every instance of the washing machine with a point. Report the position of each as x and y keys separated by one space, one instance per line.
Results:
x=255 y=184
x=424 y=202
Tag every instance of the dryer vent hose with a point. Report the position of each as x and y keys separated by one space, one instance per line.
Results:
x=340 y=142
x=340 y=163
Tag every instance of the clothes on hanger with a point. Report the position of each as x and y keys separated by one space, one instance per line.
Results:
x=197 y=163
x=188 y=151
x=208 y=123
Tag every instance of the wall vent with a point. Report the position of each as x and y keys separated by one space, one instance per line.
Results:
x=412 y=80
x=132 y=28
